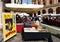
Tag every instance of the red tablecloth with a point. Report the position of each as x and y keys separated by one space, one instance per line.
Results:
x=19 y=27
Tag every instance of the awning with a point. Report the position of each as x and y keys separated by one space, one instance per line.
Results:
x=23 y=7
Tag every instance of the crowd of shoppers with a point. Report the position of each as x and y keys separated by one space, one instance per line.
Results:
x=27 y=19
x=46 y=20
x=51 y=21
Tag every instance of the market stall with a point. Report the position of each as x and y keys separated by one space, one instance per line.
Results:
x=34 y=34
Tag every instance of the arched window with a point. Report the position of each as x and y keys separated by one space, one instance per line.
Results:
x=43 y=11
x=34 y=14
x=58 y=10
x=14 y=1
x=38 y=1
x=38 y=12
x=51 y=1
x=44 y=2
x=58 y=0
x=50 y=10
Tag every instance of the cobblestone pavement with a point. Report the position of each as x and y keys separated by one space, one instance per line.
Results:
x=18 y=38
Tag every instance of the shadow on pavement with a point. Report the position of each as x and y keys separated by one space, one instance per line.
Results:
x=56 y=35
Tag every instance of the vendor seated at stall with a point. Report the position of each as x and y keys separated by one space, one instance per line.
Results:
x=39 y=27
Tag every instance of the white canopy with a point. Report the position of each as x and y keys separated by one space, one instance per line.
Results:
x=39 y=15
x=55 y=14
x=51 y=14
x=46 y=14
x=23 y=5
x=23 y=14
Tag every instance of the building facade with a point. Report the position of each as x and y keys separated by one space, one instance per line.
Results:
x=10 y=1
x=5 y=9
x=50 y=6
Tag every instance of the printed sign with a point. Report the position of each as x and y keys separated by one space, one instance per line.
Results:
x=9 y=25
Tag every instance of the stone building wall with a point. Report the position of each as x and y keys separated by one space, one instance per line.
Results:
x=55 y=6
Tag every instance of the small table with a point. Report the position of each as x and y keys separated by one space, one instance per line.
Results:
x=26 y=35
x=19 y=27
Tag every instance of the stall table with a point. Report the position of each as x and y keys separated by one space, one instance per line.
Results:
x=28 y=34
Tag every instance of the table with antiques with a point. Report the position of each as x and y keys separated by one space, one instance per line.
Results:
x=33 y=34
